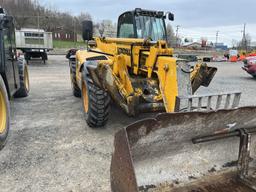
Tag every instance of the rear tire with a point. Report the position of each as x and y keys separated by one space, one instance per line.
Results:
x=44 y=57
x=24 y=80
x=96 y=103
x=4 y=114
x=27 y=57
x=75 y=89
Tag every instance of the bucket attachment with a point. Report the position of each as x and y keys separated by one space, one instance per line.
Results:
x=187 y=152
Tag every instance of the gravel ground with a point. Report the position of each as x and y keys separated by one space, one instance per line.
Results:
x=50 y=147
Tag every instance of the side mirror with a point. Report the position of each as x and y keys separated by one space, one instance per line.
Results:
x=171 y=16
x=87 y=30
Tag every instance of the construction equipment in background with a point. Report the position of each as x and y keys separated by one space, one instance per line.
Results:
x=233 y=55
x=14 y=78
x=137 y=71
x=188 y=57
x=187 y=152
x=34 y=43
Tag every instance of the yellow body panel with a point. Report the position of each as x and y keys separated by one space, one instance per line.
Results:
x=120 y=73
x=194 y=72
x=167 y=75
x=81 y=56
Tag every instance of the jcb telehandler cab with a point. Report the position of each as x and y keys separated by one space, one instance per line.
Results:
x=143 y=24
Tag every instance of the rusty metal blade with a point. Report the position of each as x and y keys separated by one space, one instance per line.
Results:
x=160 y=151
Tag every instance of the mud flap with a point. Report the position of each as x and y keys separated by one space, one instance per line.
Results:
x=193 y=151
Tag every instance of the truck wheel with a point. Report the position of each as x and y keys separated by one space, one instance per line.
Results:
x=44 y=57
x=75 y=89
x=24 y=80
x=96 y=103
x=27 y=56
x=4 y=114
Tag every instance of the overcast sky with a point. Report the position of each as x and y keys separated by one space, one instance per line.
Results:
x=197 y=18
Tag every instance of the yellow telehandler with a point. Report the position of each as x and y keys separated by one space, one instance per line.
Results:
x=137 y=70
x=200 y=143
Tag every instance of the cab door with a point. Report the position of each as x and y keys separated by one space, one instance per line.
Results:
x=9 y=56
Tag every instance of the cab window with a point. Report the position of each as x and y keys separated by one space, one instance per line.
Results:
x=150 y=27
x=7 y=44
x=126 y=27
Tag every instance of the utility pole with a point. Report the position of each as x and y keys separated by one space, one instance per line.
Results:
x=244 y=40
x=177 y=32
x=217 y=36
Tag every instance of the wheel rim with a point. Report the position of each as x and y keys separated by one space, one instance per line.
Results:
x=3 y=112
x=85 y=98
x=26 y=79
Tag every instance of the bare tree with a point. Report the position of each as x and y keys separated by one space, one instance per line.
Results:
x=234 y=43
x=105 y=28
x=245 y=43
x=29 y=13
x=171 y=39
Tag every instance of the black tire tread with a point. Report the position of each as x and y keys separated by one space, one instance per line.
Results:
x=75 y=89
x=99 y=105
x=22 y=91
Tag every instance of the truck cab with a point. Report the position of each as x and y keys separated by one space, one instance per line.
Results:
x=14 y=80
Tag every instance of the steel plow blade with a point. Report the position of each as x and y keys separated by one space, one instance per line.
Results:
x=192 y=151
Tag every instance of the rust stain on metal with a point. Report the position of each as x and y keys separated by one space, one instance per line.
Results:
x=182 y=128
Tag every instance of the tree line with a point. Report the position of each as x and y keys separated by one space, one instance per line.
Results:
x=30 y=14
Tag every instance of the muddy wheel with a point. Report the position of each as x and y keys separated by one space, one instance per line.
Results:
x=4 y=114
x=96 y=103
x=24 y=80
x=75 y=89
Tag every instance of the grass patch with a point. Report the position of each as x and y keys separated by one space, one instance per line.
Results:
x=67 y=44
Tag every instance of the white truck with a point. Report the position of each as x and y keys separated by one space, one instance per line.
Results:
x=34 y=43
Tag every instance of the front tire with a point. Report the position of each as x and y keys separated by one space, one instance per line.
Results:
x=75 y=89
x=24 y=80
x=96 y=103
x=4 y=114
